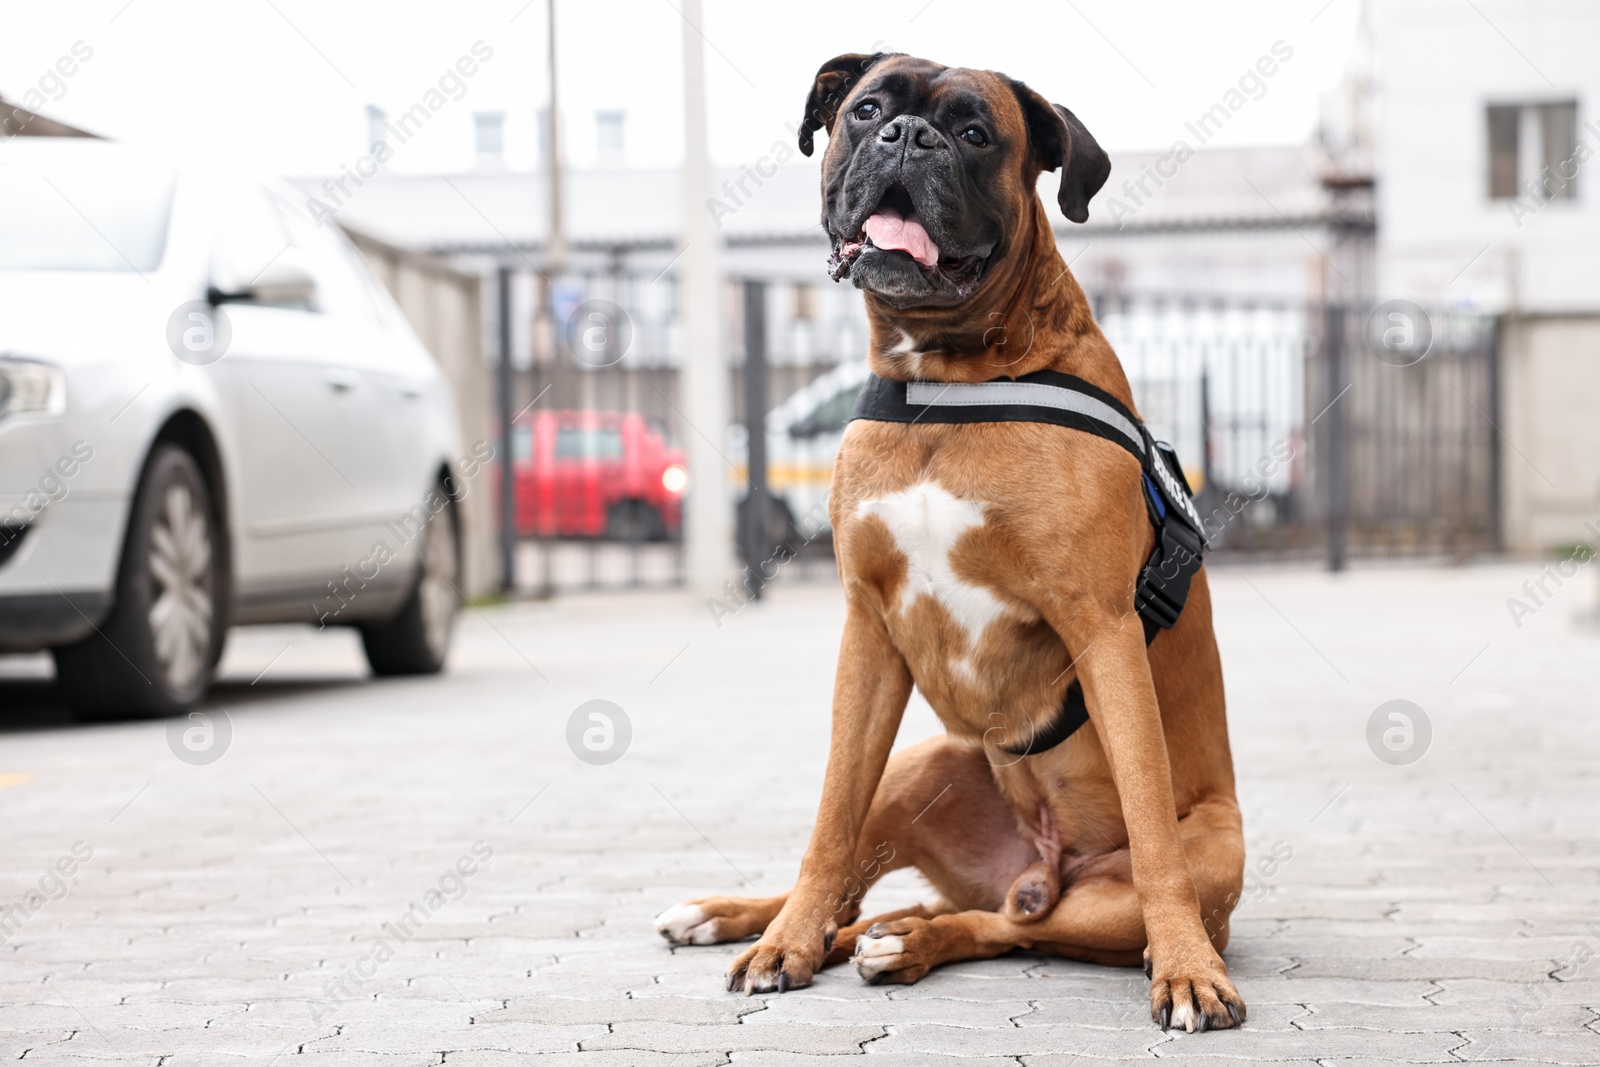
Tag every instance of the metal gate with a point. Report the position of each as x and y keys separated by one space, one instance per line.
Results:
x=1308 y=431
x=1323 y=430
x=1410 y=450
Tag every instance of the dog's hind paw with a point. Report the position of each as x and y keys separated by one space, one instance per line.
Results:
x=895 y=952
x=687 y=924
x=875 y=955
x=713 y=920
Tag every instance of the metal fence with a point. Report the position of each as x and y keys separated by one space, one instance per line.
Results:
x=1303 y=431
x=1410 y=453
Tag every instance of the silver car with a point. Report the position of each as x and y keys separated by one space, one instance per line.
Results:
x=210 y=414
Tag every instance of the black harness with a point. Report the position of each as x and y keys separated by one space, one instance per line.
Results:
x=1065 y=400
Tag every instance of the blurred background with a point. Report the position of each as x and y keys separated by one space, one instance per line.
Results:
x=1347 y=255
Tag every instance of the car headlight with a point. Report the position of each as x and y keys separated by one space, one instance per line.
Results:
x=26 y=386
x=674 y=479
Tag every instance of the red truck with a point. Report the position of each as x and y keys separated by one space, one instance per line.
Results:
x=596 y=474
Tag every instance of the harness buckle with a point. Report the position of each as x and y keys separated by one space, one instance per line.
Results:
x=1163 y=587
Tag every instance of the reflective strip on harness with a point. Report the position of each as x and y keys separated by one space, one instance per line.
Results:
x=1027 y=394
x=1064 y=400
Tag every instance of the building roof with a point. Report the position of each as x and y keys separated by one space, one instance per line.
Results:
x=630 y=208
x=18 y=121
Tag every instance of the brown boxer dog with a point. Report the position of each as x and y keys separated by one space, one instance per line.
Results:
x=989 y=565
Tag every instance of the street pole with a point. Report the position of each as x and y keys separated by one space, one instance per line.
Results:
x=708 y=541
x=508 y=480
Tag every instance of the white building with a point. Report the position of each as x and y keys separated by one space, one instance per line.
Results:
x=1487 y=129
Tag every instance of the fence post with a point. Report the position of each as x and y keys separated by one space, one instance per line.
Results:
x=508 y=478
x=753 y=524
x=1497 y=531
x=1333 y=461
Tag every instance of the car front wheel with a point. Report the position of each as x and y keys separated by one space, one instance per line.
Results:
x=155 y=653
x=417 y=639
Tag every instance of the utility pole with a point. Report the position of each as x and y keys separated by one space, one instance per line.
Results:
x=557 y=252
x=704 y=394
x=555 y=259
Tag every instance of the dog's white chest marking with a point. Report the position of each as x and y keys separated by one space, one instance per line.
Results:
x=926 y=522
x=905 y=351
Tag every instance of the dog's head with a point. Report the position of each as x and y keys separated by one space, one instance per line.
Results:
x=930 y=173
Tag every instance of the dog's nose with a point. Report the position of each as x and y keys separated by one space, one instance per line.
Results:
x=918 y=133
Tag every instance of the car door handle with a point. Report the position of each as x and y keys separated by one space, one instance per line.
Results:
x=340 y=380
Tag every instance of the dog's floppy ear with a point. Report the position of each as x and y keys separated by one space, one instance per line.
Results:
x=1057 y=139
x=833 y=83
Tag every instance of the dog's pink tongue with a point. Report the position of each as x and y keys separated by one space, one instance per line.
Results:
x=906 y=235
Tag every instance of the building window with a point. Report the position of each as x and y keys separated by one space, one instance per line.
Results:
x=1533 y=149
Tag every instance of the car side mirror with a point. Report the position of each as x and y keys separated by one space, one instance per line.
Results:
x=284 y=282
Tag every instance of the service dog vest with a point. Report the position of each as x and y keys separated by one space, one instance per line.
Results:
x=1065 y=400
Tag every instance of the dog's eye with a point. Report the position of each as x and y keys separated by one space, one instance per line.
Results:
x=974 y=136
x=866 y=111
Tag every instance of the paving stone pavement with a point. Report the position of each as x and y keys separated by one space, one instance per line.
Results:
x=399 y=873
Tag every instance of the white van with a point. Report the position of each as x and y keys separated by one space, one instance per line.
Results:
x=803 y=436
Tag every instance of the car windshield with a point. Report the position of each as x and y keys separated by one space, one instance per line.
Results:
x=577 y=442
x=102 y=220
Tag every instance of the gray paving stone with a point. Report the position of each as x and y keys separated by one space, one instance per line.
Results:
x=1534 y=1017
x=1090 y=1041
x=1431 y=969
x=769 y=1058
x=1291 y=942
x=631 y=1057
x=16 y=1044
x=1500 y=948
x=1470 y=992
x=1320 y=1045
x=678 y=1037
x=899 y=1012
x=1291 y=990
x=396 y=1035
x=123 y=1045
x=1135 y=1015
x=1542 y=1048
x=558 y=1011
x=1064 y=1060
x=206 y=926
x=326 y=1059
x=65 y=1053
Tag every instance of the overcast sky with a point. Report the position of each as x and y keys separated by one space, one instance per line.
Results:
x=283 y=85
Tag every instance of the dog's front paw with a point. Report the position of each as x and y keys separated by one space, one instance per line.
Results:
x=1190 y=990
x=786 y=957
